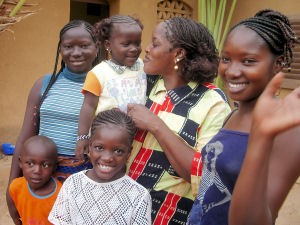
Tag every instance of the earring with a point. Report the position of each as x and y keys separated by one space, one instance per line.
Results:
x=176 y=61
x=108 y=53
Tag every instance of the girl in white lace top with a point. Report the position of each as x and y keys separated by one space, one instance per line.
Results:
x=104 y=194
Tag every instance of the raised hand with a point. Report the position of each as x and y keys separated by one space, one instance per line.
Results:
x=274 y=115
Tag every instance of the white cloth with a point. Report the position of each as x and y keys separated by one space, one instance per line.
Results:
x=84 y=201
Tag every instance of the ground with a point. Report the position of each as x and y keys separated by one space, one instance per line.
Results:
x=288 y=215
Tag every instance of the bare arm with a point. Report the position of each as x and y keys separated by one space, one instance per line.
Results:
x=86 y=116
x=252 y=202
x=28 y=130
x=172 y=145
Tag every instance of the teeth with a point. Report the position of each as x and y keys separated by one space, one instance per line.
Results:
x=103 y=167
x=236 y=85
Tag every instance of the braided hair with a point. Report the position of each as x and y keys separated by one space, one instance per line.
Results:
x=72 y=24
x=201 y=61
x=276 y=30
x=115 y=117
x=105 y=26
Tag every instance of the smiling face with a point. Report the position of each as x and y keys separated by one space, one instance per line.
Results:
x=109 y=150
x=160 y=55
x=78 y=50
x=246 y=64
x=125 y=43
x=38 y=163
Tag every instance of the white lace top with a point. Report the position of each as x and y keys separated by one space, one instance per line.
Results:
x=84 y=201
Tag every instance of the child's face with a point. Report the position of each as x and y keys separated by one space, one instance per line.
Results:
x=38 y=164
x=125 y=44
x=78 y=50
x=246 y=64
x=109 y=151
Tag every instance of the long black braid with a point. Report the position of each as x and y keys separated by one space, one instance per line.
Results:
x=72 y=24
x=276 y=30
x=115 y=117
x=104 y=27
x=201 y=61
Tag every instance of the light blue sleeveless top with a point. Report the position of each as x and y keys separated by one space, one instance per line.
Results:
x=59 y=113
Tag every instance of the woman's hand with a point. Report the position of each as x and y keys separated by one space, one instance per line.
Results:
x=143 y=118
x=274 y=115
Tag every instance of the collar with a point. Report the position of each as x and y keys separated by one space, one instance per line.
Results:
x=178 y=94
x=121 y=69
x=76 y=77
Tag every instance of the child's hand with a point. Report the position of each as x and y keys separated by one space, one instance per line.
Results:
x=273 y=115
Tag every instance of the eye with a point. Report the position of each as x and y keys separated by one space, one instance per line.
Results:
x=154 y=44
x=84 y=46
x=126 y=44
x=30 y=164
x=67 y=46
x=45 y=165
x=225 y=59
x=138 y=44
x=119 y=151
x=98 y=148
x=249 y=61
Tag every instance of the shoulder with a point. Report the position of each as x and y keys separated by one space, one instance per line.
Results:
x=215 y=92
x=17 y=184
x=102 y=65
x=136 y=186
x=18 y=181
x=74 y=178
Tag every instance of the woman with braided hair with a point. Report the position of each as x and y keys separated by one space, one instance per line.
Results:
x=255 y=51
x=183 y=111
x=54 y=101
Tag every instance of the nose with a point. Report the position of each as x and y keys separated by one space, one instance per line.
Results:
x=233 y=70
x=107 y=156
x=76 y=51
x=37 y=169
x=134 y=49
x=147 y=49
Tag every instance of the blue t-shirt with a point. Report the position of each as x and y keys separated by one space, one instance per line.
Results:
x=222 y=160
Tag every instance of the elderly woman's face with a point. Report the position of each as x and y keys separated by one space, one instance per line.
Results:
x=159 y=58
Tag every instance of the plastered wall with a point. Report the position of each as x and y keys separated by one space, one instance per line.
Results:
x=27 y=54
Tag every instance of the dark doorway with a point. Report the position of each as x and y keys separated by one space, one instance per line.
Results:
x=89 y=10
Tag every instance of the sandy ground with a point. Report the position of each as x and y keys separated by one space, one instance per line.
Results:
x=289 y=214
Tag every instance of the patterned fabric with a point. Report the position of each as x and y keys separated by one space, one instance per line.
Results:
x=84 y=201
x=68 y=165
x=222 y=160
x=33 y=209
x=115 y=89
x=59 y=112
x=195 y=113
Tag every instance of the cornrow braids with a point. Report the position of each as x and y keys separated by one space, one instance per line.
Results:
x=201 y=61
x=115 y=117
x=104 y=27
x=72 y=24
x=276 y=30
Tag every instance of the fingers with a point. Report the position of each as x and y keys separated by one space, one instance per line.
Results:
x=130 y=106
x=274 y=85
